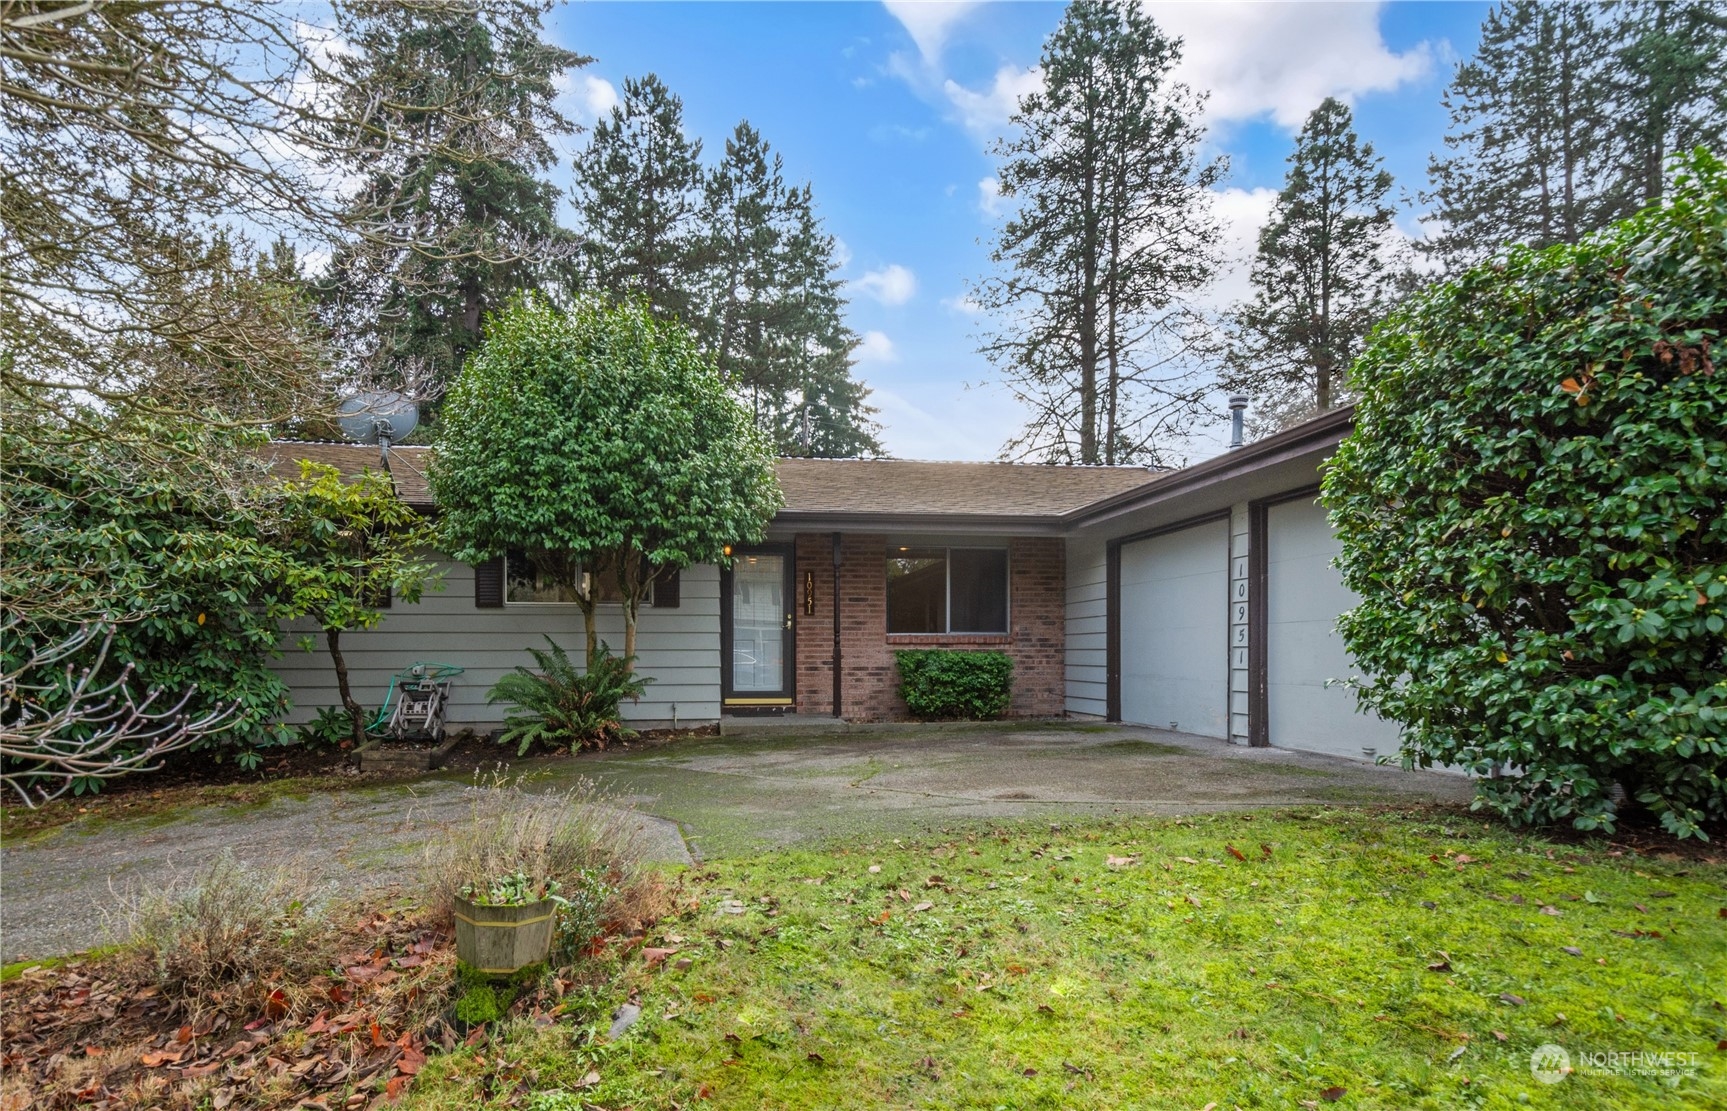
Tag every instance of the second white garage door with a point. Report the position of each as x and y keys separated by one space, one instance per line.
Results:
x=1174 y=630
x=1304 y=595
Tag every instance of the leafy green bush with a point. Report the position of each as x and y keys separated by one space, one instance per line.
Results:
x=941 y=684
x=564 y=706
x=1530 y=507
x=332 y=727
x=173 y=544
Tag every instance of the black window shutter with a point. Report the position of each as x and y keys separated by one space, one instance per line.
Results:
x=489 y=584
x=666 y=589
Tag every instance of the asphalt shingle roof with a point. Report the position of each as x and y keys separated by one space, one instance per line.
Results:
x=407 y=464
x=825 y=487
x=902 y=486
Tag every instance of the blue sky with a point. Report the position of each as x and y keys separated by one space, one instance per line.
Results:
x=888 y=110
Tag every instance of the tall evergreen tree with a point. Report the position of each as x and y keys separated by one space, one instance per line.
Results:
x=455 y=103
x=1530 y=159
x=1564 y=118
x=638 y=189
x=825 y=413
x=740 y=312
x=1320 y=279
x=772 y=313
x=1111 y=234
x=1669 y=88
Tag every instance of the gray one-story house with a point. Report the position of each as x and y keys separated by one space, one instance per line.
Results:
x=1201 y=600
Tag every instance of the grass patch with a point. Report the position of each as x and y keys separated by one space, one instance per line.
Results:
x=1371 y=960
x=157 y=807
x=1136 y=747
x=12 y=971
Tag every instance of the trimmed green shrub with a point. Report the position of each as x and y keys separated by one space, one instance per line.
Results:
x=1531 y=509
x=564 y=706
x=944 y=685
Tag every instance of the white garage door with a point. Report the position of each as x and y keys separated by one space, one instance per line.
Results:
x=1304 y=594
x=1174 y=630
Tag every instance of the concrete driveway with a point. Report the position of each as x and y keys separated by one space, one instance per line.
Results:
x=735 y=795
x=696 y=798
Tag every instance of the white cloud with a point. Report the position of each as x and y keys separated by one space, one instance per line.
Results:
x=842 y=253
x=587 y=97
x=1240 y=214
x=986 y=113
x=962 y=304
x=1281 y=60
x=989 y=197
x=875 y=347
x=891 y=285
x=929 y=21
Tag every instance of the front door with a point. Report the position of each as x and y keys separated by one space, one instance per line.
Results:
x=756 y=631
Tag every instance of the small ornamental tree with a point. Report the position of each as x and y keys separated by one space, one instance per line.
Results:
x=600 y=442
x=349 y=545
x=1531 y=509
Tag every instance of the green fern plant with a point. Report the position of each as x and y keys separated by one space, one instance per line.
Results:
x=562 y=706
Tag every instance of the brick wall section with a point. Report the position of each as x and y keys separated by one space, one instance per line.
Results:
x=1037 y=584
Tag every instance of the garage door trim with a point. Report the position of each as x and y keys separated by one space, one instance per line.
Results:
x=1258 y=581
x=1112 y=592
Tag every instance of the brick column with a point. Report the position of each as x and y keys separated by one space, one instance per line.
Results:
x=815 y=684
x=1037 y=568
x=871 y=682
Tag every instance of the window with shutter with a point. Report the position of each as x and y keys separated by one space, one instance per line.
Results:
x=489 y=584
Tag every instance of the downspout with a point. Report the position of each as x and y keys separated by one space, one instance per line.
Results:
x=837 y=656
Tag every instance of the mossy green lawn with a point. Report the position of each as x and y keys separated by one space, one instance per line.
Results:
x=1347 y=958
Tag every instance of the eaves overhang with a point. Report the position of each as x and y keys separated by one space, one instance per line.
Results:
x=1314 y=439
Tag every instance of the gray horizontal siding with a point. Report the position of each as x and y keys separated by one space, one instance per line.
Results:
x=1087 y=628
x=679 y=649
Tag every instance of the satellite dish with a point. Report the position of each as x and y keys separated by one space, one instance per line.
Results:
x=378 y=417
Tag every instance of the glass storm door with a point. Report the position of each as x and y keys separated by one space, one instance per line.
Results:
x=757 y=629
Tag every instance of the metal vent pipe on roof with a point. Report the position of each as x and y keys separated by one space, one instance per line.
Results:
x=1237 y=412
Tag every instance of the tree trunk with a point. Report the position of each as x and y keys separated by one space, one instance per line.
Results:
x=630 y=585
x=585 y=599
x=356 y=712
x=1090 y=248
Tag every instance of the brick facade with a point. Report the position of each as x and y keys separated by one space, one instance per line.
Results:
x=1037 y=579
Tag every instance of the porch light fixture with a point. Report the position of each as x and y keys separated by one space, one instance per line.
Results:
x=726 y=551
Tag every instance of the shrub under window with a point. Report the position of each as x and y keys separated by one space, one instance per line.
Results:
x=941 y=684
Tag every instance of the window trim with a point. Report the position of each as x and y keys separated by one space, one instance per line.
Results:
x=947 y=551
x=509 y=603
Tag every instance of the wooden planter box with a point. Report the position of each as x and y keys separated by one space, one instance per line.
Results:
x=500 y=940
x=372 y=757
